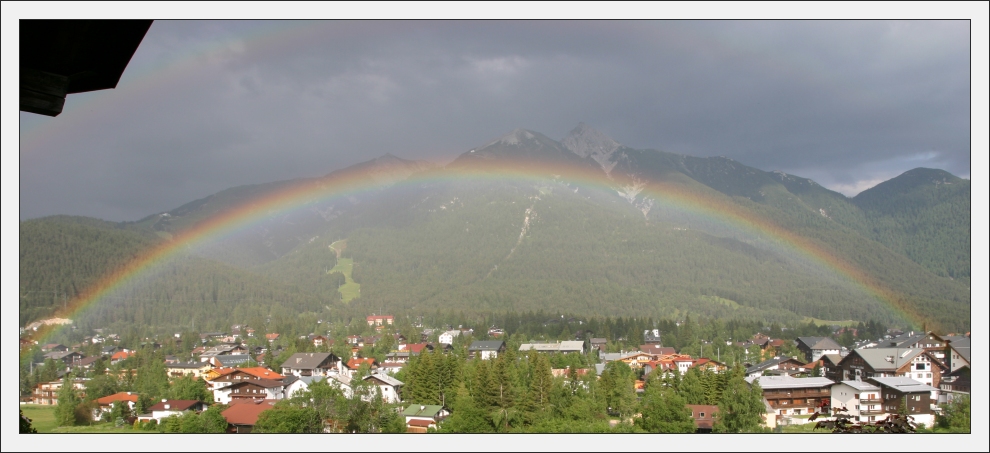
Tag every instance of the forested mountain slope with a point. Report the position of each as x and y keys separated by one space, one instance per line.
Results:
x=584 y=225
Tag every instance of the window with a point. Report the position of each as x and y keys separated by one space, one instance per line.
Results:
x=797 y=411
x=702 y=415
x=856 y=396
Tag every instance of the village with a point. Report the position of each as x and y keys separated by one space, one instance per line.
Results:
x=243 y=373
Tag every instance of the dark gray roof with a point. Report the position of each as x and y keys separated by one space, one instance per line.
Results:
x=819 y=343
x=877 y=358
x=232 y=360
x=903 y=384
x=958 y=342
x=493 y=345
x=309 y=360
x=759 y=367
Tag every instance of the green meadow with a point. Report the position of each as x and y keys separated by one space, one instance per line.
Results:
x=350 y=289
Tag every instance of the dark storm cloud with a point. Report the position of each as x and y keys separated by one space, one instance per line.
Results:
x=209 y=105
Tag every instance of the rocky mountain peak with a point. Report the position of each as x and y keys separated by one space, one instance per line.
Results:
x=586 y=141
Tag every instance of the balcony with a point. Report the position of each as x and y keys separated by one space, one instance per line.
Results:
x=870 y=401
x=876 y=411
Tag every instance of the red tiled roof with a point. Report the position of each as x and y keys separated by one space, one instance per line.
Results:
x=271 y=336
x=121 y=355
x=262 y=372
x=174 y=405
x=120 y=396
x=416 y=347
x=421 y=422
x=245 y=411
x=354 y=363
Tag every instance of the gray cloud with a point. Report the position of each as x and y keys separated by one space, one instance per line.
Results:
x=207 y=105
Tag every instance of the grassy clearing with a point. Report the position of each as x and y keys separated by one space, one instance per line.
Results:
x=43 y=420
x=350 y=289
x=718 y=300
x=826 y=322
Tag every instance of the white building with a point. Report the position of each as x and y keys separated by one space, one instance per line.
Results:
x=860 y=399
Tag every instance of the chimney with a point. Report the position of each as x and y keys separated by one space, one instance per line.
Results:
x=164 y=400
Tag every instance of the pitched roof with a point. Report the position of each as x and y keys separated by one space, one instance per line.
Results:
x=417 y=348
x=427 y=410
x=903 y=384
x=119 y=396
x=174 y=405
x=421 y=423
x=862 y=386
x=385 y=379
x=231 y=360
x=491 y=345
x=308 y=360
x=885 y=358
x=656 y=349
x=261 y=372
x=819 y=343
x=121 y=355
x=246 y=411
x=356 y=362
x=788 y=382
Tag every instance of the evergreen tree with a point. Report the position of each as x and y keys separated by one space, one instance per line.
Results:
x=212 y=419
x=741 y=409
x=664 y=411
x=68 y=399
x=618 y=387
x=691 y=387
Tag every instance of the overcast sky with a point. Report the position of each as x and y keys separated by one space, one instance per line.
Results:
x=208 y=105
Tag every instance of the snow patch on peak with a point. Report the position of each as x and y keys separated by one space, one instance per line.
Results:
x=515 y=137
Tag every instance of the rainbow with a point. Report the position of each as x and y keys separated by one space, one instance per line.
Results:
x=352 y=182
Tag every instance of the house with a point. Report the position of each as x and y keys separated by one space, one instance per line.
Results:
x=69 y=358
x=954 y=384
x=814 y=347
x=387 y=385
x=118 y=356
x=224 y=361
x=312 y=364
x=354 y=363
x=250 y=389
x=830 y=367
x=105 y=404
x=784 y=365
x=656 y=350
x=194 y=369
x=271 y=336
x=223 y=377
x=380 y=320
x=319 y=341
x=296 y=384
x=562 y=347
x=915 y=396
x=486 y=349
x=635 y=359
x=913 y=363
x=706 y=363
x=86 y=364
x=703 y=416
x=652 y=337
x=957 y=354
x=448 y=336
x=243 y=414
x=168 y=408
x=46 y=393
x=391 y=367
x=794 y=399
x=419 y=418
x=54 y=347
x=418 y=348
x=598 y=343
x=861 y=400
x=930 y=342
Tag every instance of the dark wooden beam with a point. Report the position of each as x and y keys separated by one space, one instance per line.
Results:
x=43 y=92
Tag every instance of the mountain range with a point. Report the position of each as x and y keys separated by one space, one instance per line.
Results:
x=583 y=225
